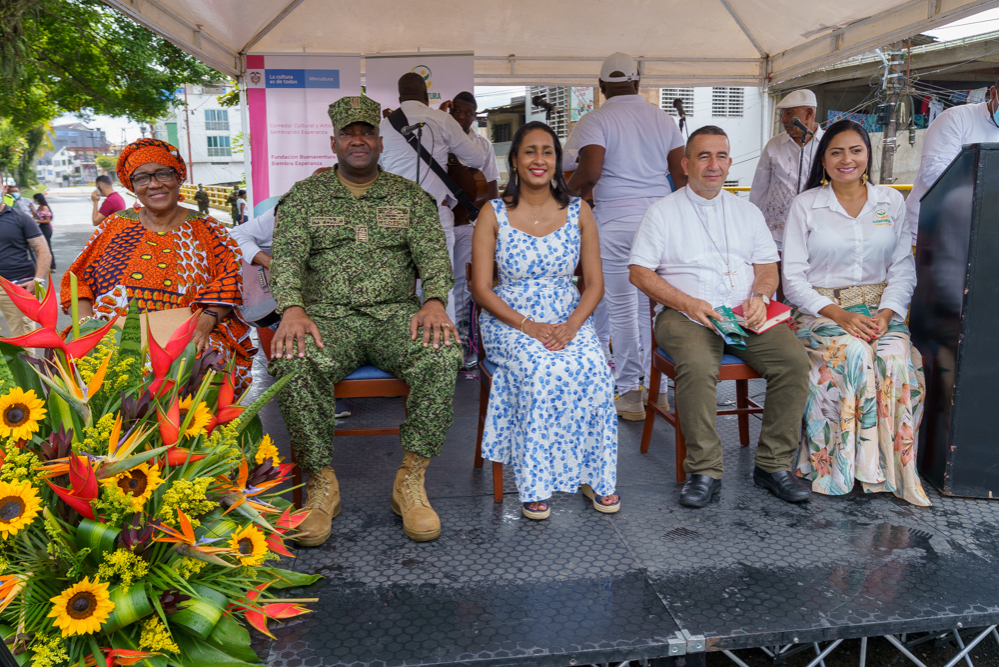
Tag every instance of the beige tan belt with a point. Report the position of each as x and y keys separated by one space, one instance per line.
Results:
x=869 y=295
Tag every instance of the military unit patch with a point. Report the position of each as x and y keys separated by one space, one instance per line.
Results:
x=361 y=235
x=335 y=221
x=393 y=216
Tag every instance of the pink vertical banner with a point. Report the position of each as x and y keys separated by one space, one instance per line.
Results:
x=288 y=97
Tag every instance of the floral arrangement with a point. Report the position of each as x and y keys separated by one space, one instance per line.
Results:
x=139 y=516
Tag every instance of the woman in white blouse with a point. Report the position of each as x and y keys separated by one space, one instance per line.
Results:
x=848 y=271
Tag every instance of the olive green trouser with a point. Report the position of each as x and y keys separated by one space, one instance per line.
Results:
x=776 y=354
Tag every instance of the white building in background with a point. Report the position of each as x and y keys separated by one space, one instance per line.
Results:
x=205 y=132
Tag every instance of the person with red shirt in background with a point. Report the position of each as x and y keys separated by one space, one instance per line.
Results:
x=113 y=201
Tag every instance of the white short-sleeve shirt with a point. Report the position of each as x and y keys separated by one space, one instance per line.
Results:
x=637 y=137
x=776 y=183
x=672 y=241
x=825 y=247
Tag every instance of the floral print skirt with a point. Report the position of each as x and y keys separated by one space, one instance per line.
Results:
x=865 y=403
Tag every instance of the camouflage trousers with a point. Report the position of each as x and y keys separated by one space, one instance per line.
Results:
x=307 y=402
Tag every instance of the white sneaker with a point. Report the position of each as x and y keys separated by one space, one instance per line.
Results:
x=629 y=406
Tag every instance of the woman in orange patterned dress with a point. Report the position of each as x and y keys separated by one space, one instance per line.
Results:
x=165 y=256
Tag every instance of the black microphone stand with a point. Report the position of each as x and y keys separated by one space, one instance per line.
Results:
x=801 y=156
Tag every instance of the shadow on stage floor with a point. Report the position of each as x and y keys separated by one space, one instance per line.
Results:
x=583 y=587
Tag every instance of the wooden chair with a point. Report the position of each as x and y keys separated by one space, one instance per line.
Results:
x=486 y=371
x=365 y=382
x=732 y=368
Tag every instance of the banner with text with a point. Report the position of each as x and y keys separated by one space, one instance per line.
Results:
x=288 y=98
x=446 y=76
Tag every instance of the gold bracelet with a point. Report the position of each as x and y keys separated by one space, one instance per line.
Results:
x=526 y=317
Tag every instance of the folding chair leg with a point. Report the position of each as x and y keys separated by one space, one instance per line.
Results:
x=742 y=402
x=681 y=449
x=296 y=481
x=497 y=481
x=655 y=379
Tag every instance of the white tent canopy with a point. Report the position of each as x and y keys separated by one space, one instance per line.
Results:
x=544 y=42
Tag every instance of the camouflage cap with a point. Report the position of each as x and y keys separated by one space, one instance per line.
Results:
x=356 y=109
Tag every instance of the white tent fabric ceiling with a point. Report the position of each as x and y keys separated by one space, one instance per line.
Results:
x=548 y=42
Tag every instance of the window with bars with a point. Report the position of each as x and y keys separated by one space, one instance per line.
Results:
x=502 y=132
x=727 y=102
x=217 y=120
x=219 y=147
x=686 y=95
x=558 y=97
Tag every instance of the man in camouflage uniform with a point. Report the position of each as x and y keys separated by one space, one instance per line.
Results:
x=348 y=244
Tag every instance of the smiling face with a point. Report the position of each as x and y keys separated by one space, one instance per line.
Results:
x=156 y=195
x=846 y=157
x=464 y=113
x=707 y=162
x=357 y=147
x=536 y=159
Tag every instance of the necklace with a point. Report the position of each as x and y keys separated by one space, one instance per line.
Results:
x=536 y=221
x=729 y=273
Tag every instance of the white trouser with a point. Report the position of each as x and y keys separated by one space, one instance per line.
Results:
x=602 y=324
x=462 y=295
x=627 y=307
x=447 y=222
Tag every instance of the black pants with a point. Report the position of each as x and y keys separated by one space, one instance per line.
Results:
x=47 y=233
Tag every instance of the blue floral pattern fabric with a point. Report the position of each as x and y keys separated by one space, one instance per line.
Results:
x=551 y=414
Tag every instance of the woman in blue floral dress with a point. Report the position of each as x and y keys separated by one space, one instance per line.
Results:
x=551 y=410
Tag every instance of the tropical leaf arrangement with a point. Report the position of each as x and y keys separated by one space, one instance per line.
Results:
x=140 y=516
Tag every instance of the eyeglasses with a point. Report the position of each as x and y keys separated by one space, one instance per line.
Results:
x=162 y=175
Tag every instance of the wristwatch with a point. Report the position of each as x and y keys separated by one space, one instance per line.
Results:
x=766 y=299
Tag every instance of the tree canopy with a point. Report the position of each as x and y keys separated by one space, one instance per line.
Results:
x=81 y=57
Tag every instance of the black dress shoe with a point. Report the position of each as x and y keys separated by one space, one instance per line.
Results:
x=782 y=484
x=699 y=490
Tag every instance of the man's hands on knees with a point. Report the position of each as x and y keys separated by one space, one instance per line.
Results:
x=295 y=325
x=433 y=319
x=700 y=311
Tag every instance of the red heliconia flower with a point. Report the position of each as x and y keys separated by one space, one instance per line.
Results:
x=177 y=456
x=161 y=359
x=285 y=522
x=170 y=422
x=83 y=483
x=226 y=411
x=50 y=338
x=44 y=312
x=257 y=617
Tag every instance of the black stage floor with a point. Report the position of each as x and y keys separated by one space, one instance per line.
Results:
x=582 y=587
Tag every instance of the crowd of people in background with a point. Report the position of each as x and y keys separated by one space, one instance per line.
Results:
x=368 y=258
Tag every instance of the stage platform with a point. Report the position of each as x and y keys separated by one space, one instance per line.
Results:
x=654 y=580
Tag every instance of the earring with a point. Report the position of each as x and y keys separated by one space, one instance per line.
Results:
x=516 y=178
x=863 y=178
x=825 y=180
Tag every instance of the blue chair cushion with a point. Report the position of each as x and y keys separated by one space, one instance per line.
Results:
x=727 y=359
x=369 y=373
x=489 y=366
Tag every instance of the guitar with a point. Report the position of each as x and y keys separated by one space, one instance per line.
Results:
x=259 y=307
x=472 y=181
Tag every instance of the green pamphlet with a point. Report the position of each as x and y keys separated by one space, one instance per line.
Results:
x=860 y=308
x=729 y=329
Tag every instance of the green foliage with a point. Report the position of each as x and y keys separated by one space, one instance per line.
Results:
x=230 y=99
x=12 y=145
x=80 y=56
x=107 y=163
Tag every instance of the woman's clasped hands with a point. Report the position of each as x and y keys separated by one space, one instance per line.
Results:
x=553 y=336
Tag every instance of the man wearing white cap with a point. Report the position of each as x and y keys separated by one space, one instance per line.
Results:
x=626 y=149
x=778 y=179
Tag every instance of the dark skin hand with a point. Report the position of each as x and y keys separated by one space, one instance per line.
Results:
x=357 y=148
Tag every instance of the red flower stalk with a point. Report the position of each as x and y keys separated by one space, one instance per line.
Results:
x=257 y=617
x=83 y=483
x=161 y=359
x=226 y=411
x=170 y=422
x=285 y=522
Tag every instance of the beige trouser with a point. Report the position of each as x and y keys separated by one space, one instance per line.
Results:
x=17 y=323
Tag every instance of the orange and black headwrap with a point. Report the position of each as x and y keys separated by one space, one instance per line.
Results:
x=144 y=151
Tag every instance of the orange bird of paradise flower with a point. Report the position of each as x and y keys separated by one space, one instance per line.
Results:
x=257 y=615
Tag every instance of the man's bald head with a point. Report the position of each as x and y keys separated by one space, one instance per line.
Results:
x=413 y=87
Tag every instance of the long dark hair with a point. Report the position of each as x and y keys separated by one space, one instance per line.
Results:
x=40 y=198
x=560 y=190
x=839 y=127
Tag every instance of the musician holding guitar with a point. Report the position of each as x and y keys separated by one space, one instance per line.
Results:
x=480 y=186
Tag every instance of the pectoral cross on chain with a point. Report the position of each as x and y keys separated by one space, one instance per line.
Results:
x=729 y=274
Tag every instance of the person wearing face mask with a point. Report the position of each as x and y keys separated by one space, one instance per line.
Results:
x=786 y=161
x=952 y=129
x=696 y=250
x=551 y=406
x=849 y=273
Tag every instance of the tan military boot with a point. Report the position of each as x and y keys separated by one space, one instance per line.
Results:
x=662 y=401
x=409 y=500
x=629 y=406
x=323 y=504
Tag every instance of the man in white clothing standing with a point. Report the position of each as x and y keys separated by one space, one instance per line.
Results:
x=441 y=135
x=778 y=179
x=952 y=129
x=626 y=149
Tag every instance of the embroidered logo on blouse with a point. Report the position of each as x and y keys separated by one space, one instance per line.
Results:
x=393 y=216
x=881 y=218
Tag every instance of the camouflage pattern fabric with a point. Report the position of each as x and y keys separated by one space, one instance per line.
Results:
x=352 y=264
x=307 y=402
x=357 y=109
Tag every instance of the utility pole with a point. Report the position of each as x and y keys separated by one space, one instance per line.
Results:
x=893 y=86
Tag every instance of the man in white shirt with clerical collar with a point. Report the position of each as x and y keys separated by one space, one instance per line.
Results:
x=696 y=250
x=778 y=180
x=946 y=135
x=441 y=135
x=626 y=149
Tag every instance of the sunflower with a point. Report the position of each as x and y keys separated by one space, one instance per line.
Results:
x=19 y=505
x=137 y=483
x=250 y=545
x=82 y=608
x=20 y=412
x=202 y=415
x=267 y=450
